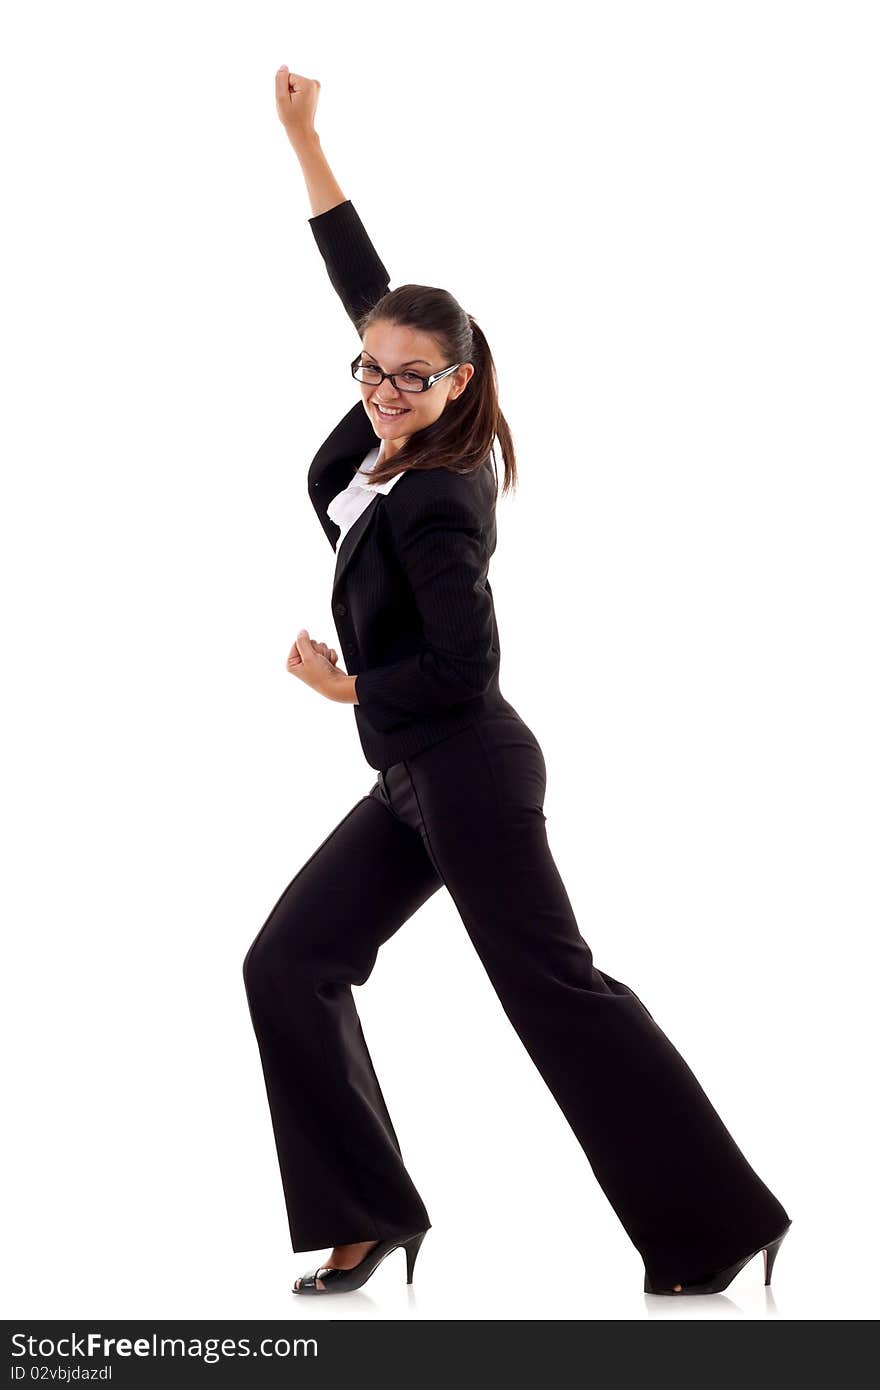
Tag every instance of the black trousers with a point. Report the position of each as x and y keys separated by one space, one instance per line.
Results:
x=467 y=813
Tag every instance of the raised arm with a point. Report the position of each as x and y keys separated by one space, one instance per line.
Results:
x=353 y=265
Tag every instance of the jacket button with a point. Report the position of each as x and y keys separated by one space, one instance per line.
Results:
x=351 y=649
x=341 y=609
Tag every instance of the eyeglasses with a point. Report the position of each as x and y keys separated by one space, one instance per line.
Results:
x=371 y=375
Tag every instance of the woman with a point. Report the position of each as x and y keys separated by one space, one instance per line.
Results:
x=457 y=802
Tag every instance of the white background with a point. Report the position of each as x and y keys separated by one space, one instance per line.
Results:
x=666 y=219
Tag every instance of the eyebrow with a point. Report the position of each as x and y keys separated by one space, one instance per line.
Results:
x=412 y=361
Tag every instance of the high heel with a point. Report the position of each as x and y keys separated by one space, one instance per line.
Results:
x=345 y=1280
x=714 y=1283
x=413 y=1246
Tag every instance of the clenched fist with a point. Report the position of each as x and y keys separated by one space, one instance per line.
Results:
x=321 y=647
x=296 y=98
x=314 y=663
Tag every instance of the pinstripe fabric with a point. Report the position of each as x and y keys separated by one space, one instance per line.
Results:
x=411 y=598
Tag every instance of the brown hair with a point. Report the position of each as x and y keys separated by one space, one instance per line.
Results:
x=462 y=438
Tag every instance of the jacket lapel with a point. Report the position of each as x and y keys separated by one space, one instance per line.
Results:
x=353 y=538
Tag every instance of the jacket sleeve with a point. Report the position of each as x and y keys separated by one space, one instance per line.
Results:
x=360 y=279
x=356 y=272
x=441 y=549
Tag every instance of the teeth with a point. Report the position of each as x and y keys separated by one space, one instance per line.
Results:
x=383 y=411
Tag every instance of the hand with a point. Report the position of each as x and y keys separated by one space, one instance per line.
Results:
x=320 y=647
x=296 y=98
x=315 y=664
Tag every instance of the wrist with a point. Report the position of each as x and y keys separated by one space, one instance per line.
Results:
x=342 y=689
x=304 y=141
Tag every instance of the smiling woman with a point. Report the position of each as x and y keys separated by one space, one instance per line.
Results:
x=428 y=382
x=457 y=803
x=404 y=381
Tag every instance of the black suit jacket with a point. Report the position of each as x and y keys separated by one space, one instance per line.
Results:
x=411 y=599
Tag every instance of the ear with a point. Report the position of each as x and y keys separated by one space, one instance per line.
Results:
x=464 y=374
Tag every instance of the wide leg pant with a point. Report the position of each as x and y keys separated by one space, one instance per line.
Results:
x=468 y=814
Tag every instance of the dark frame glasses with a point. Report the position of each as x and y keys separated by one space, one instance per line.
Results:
x=425 y=382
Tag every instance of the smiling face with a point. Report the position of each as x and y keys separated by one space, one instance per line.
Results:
x=397 y=348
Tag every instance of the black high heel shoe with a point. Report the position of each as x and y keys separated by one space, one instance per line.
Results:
x=345 y=1280
x=716 y=1282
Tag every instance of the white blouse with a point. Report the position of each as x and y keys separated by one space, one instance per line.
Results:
x=347 y=505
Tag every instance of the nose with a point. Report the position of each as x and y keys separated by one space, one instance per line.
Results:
x=389 y=394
